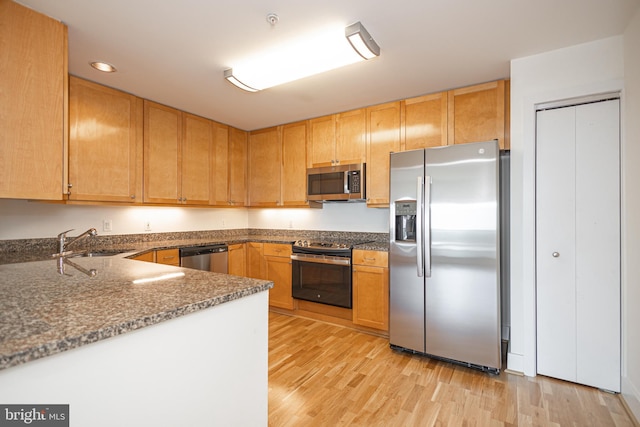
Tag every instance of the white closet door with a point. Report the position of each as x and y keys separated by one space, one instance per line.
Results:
x=578 y=244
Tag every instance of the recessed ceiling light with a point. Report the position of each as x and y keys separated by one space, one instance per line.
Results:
x=103 y=66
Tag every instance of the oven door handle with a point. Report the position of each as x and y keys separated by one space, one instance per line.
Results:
x=321 y=259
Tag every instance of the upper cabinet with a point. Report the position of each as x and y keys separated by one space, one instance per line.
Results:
x=277 y=166
x=162 y=138
x=294 y=171
x=237 y=167
x=383 y=125
x=424 y=121
x=33 y=116
x=220 y=175
x=337 y=139
x=265 y=160
x=479 y=113
x=196 y=160
x=105 y=143
x=351 y=137
x=177 y=156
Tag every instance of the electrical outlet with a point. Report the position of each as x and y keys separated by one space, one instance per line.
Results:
x=107 y=225
x=147 y=226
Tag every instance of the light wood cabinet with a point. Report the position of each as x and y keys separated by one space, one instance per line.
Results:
x=371 y=289
x=177 y=156
x=478 y=113
x=351 y=130
x=383 y=125
x=237 y=167
x=278 y=270
x=255 y=260
x=294 y=171
x=265 y=163
x=33 y=104
x=105 y=143
x=337 y=139
x=322 y=141
x=424 y=121
x=146 y=256
x=168 y=256
x=220 y=175
x=237 y=260
x=162 y=138
x=196 y=160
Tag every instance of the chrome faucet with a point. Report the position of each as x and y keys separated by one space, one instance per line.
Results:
x=63 y=243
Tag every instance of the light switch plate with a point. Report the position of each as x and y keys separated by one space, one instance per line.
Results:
x=107 y=225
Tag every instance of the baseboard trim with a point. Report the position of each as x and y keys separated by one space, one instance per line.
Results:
x=515 y=362
x=630 y=398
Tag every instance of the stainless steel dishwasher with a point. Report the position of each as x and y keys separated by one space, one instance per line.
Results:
x=208 y=258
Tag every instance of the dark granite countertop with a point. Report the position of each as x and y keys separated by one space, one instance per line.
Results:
x=43 y=312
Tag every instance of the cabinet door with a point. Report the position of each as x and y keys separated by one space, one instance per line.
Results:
x=294 y=162
x=477 y=113
x=371 y=289
x=162 y=137
x=279 y=272
x=383 y=137
x=168 y=256
x=33 y=118
x=424 y=121
x=351 y=129
x=237 y=167
x=147 y=256
x=255 y=261
x=220 y=175
x=196 y=160
x=265 y=160
x=105 y=143
x=237 y=260
x=322 y=141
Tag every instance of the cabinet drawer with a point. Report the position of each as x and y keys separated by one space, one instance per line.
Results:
x=168 y=256
x=277 y=249
x=373 y=258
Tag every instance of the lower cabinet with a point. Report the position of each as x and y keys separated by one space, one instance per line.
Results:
x=255 y=260
x=371 y=289
x=237 y=260
x=168 y=256
x=278 y=269
x=146 y=256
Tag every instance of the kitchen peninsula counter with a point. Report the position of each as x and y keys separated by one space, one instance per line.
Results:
x=43 y=312
x=155 y=344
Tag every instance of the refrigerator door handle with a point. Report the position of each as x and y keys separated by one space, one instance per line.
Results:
x=419 y=226
x=426 y=209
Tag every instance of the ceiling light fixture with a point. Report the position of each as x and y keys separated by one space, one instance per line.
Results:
x=103 y=66
x=315 y=53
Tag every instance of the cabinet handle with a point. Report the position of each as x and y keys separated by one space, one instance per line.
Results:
x=369 y=259
x=133 y=196
x=168 y=257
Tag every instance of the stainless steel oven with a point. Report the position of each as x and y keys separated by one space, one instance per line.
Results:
x=321 y=272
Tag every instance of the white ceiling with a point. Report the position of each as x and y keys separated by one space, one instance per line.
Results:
x=174 y=51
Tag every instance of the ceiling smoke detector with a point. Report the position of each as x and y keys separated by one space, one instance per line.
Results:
x=272 y=19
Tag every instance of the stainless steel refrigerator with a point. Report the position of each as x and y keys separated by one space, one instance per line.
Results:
x=444 y=253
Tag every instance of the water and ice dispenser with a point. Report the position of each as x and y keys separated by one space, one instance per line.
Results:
x=406 y=220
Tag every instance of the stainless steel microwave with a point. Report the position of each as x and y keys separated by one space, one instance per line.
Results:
x=336 y=183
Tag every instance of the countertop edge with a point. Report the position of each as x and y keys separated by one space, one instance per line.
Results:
x=68 y=343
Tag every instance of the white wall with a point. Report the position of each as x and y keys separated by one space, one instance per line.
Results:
x=332 y=217
x=590 y=68
x=631 y=218
x=21 y=219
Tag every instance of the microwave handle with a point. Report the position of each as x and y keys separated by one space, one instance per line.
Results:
x=347 y=190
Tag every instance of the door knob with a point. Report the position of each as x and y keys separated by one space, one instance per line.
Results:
x=555 y=254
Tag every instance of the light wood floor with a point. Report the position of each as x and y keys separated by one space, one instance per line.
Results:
x=326 y=375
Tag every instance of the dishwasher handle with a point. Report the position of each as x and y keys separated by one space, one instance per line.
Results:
x=202 y=250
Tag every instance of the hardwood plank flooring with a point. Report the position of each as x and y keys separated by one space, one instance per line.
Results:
x=327 y=375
